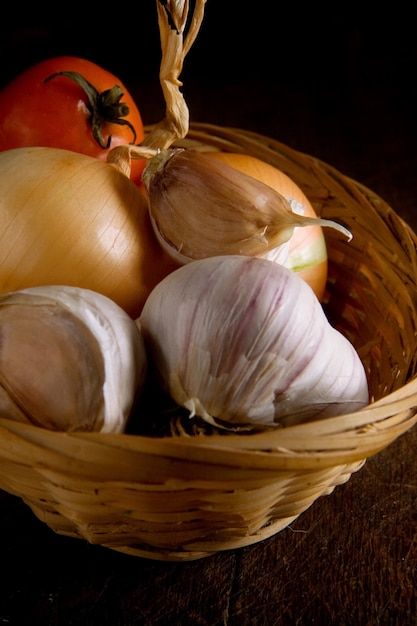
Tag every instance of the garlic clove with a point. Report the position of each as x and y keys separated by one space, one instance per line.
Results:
x=249 y=345
x=200 y=207
x=70 y=359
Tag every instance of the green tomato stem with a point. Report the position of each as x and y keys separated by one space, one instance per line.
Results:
x=104 y=107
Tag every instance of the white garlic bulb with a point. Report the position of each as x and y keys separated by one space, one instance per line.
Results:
x=243 y=340
x=70 y=359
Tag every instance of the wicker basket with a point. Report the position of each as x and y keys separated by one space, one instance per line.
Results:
x=186 y=497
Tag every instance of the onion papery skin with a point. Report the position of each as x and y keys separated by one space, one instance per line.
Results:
x=241 y=340
x=71 y=219
x=307 y=254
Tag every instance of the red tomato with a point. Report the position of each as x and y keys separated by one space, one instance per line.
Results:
x=58 y=112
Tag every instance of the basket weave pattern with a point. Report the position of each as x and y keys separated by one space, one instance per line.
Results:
x=182 y=498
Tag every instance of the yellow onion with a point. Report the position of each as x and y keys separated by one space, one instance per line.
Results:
x=67 y=218
x=70 y=359
x=242 y=341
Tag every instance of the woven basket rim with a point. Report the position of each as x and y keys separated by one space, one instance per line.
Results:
x=338 y=440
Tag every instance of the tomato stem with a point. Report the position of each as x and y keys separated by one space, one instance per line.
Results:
x=104 y=107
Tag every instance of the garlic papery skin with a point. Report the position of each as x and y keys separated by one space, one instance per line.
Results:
x=244 y=341
x=280 y=254
x=70 y=359
x=200 y=208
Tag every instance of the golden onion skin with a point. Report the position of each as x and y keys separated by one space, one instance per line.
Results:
x=70 y=219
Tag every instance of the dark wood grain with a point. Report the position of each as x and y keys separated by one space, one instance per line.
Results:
x=351 y=559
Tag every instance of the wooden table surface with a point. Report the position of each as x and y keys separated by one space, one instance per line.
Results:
x=340 y=86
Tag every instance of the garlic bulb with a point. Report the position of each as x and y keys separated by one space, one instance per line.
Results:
x=243 y=340
x=70 y=359
x=200 y=207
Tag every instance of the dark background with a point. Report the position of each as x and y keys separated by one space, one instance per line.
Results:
x=326 y=79
x=337 y=82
